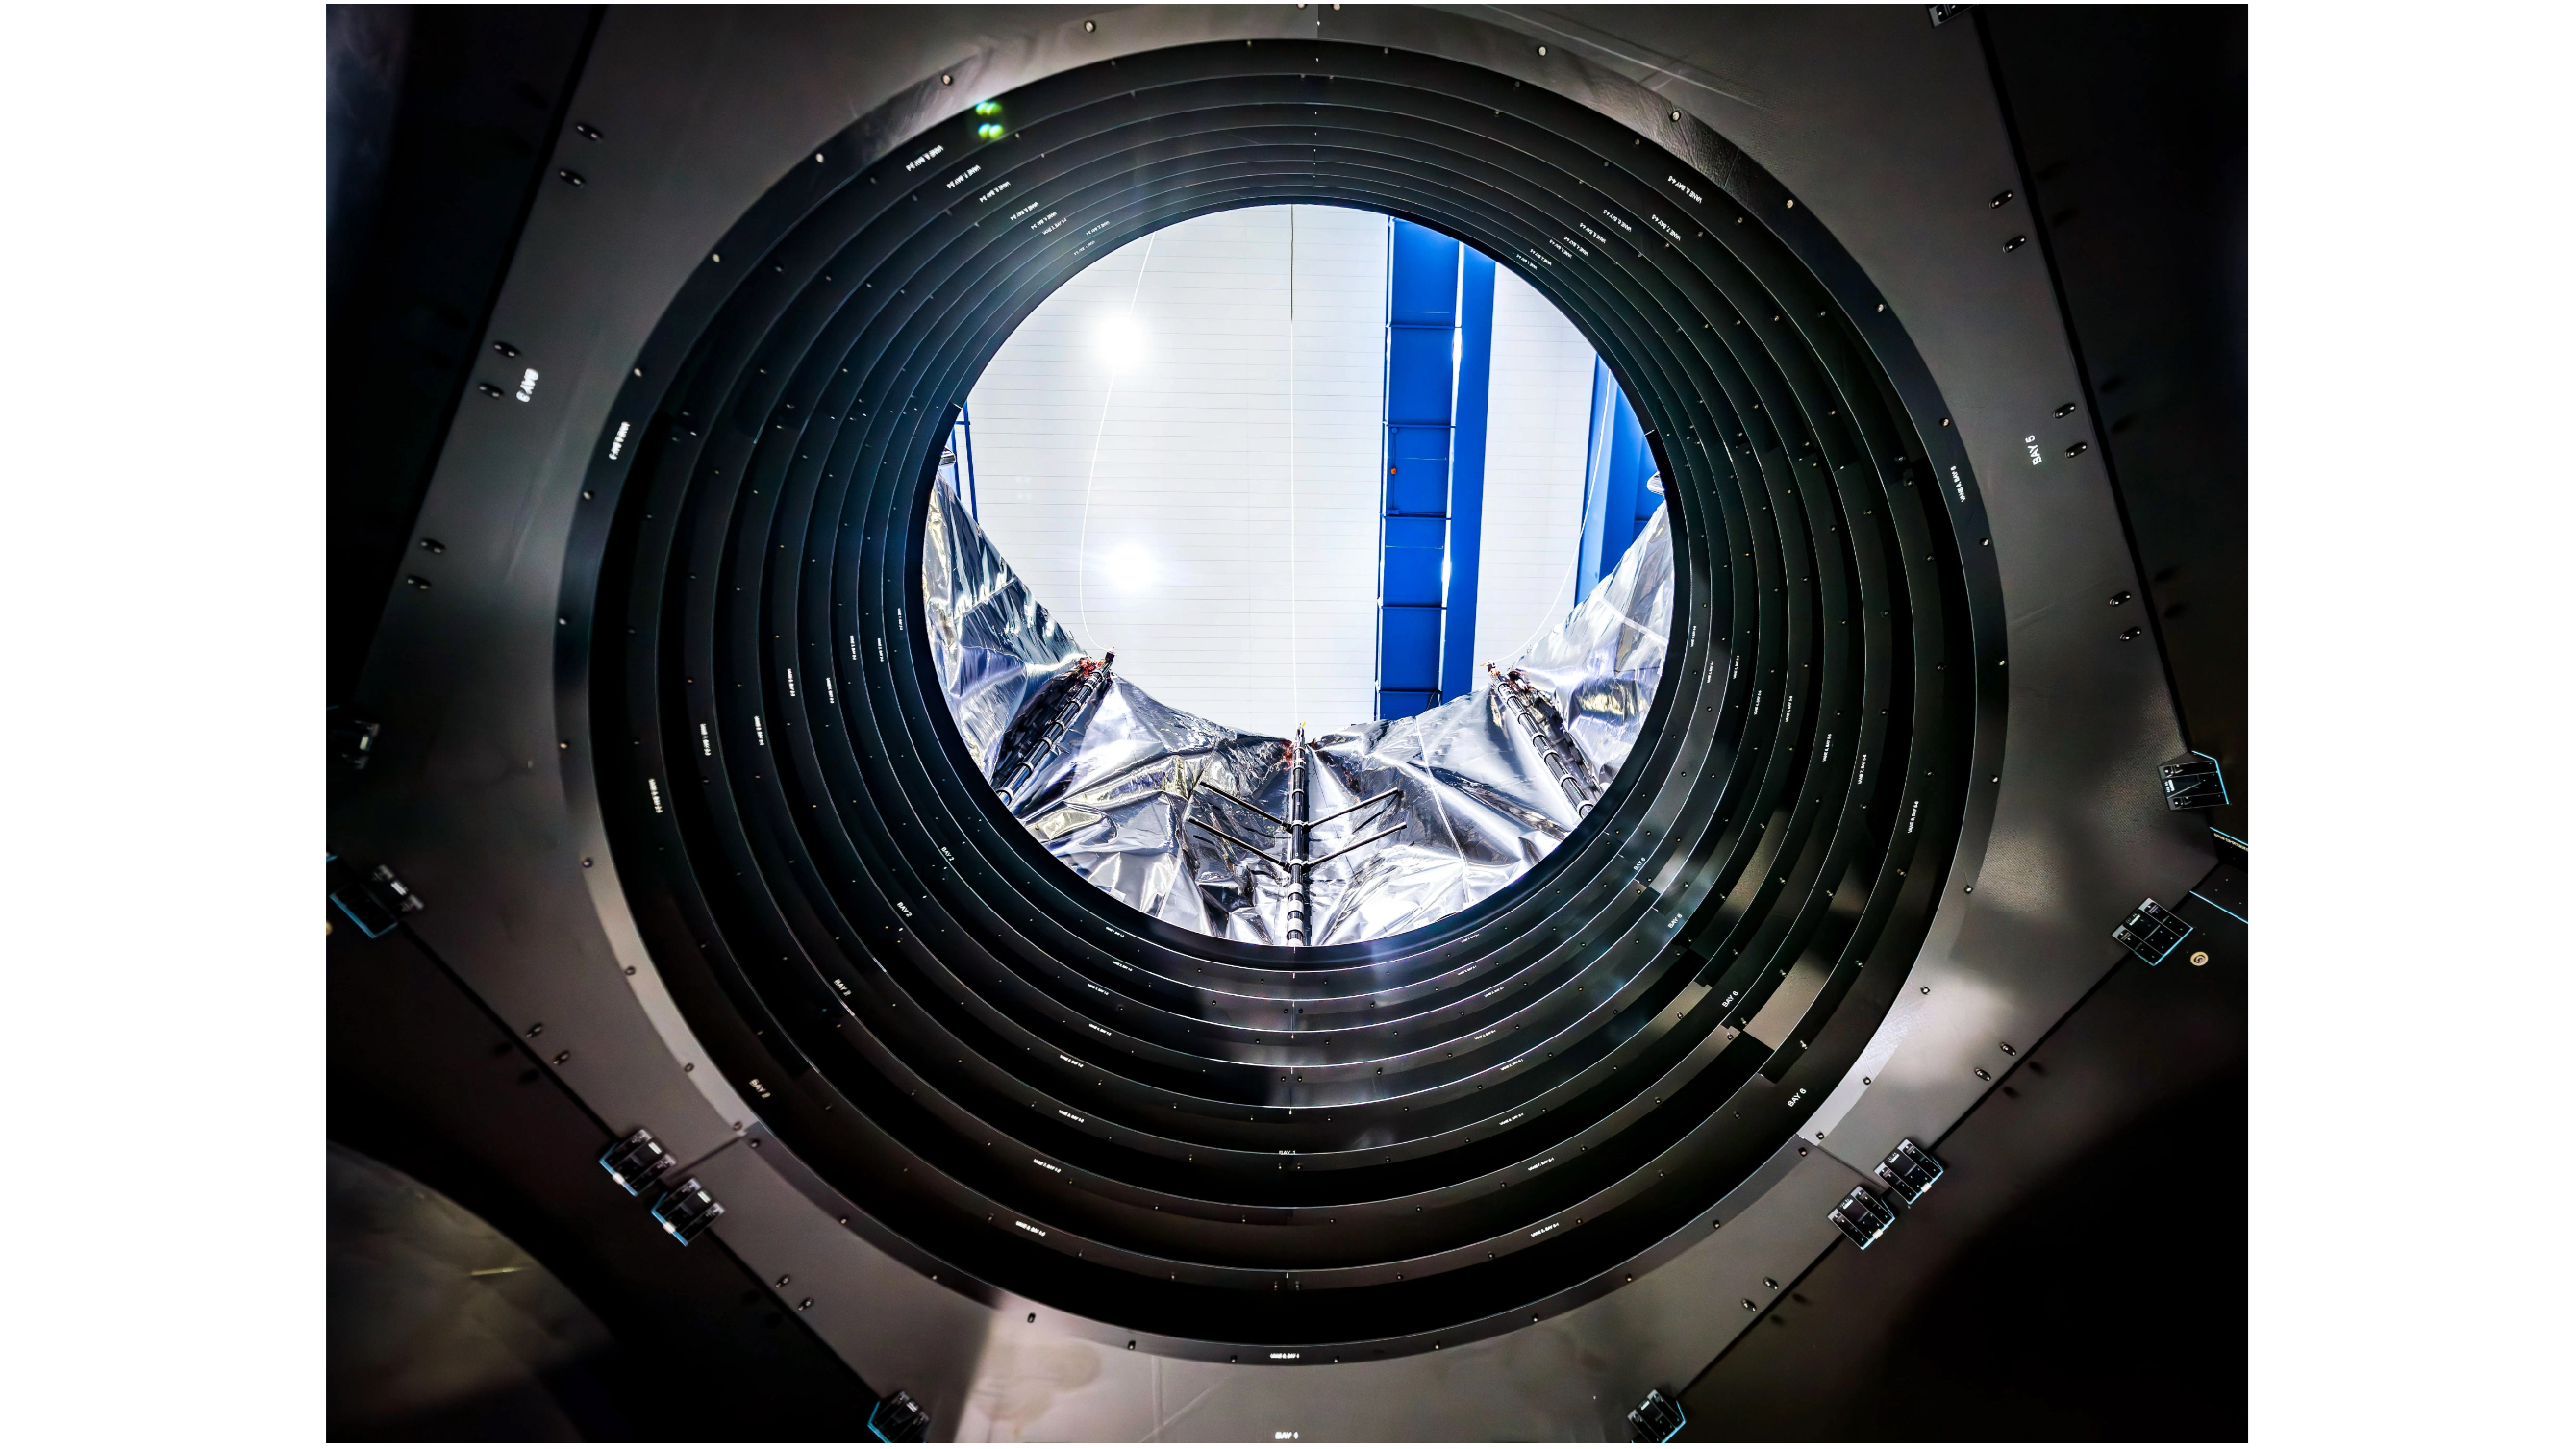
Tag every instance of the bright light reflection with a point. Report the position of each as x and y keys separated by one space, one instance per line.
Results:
x=1121 y=342
x=1132 y=568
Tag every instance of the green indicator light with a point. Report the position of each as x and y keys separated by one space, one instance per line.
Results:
x=988 y=131
x=988 y=108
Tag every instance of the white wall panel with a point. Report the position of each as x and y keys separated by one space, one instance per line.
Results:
x=1540 y=422
x=1211 y=512
x=1210 y=509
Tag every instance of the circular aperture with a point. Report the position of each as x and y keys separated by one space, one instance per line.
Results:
x=1298 y=576
x=1204 y=1145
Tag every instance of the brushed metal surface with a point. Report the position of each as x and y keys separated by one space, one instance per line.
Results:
x=1883 y=127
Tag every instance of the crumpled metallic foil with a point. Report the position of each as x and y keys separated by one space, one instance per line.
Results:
x=1134 y=795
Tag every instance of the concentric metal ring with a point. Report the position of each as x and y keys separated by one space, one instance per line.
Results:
x=1329 y=1151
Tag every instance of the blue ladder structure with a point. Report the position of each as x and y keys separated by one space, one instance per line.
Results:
x=1439 y=367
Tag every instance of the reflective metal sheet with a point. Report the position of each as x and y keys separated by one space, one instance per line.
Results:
x=1193 y=823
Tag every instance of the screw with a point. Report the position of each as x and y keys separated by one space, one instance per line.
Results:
x=1676 y=116
x=2200 y=958
x=1088 y=26
x=585 y=862
x=1542 y=50
x=947 y=80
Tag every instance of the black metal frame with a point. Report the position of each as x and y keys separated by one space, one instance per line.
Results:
x=1493 y=1118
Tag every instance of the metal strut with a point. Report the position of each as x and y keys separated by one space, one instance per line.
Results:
x=1298 y=835
x=1574 y=774
x=1090 y=677
x=1299 y=866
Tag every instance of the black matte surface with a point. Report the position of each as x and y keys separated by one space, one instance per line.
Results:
x=440 y=120
x=2131 y=122
x=2079 y=1272
x=423 y=1079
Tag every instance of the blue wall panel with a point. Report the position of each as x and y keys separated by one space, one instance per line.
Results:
x=1414 y=551
x=1412 y=647
x=1418 y=374
x=1417 y=471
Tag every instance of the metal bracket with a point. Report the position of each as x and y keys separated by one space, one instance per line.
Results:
x=374 y=903
x=1656 y=1420
x=896 y=1419
x=1909 y=1172
x=355 y=742
x=686 y=1210
x=1034 y=742
x=637 y=1162
x=2193 y=782
x=1862 y=1217
x=2151 y=932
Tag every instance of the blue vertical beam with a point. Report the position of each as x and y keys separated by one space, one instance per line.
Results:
x=1596 y=481
x=966 y=458
x=1630 y=461
x=1467 y=470
x=1421 y=339
x=1617 y=464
